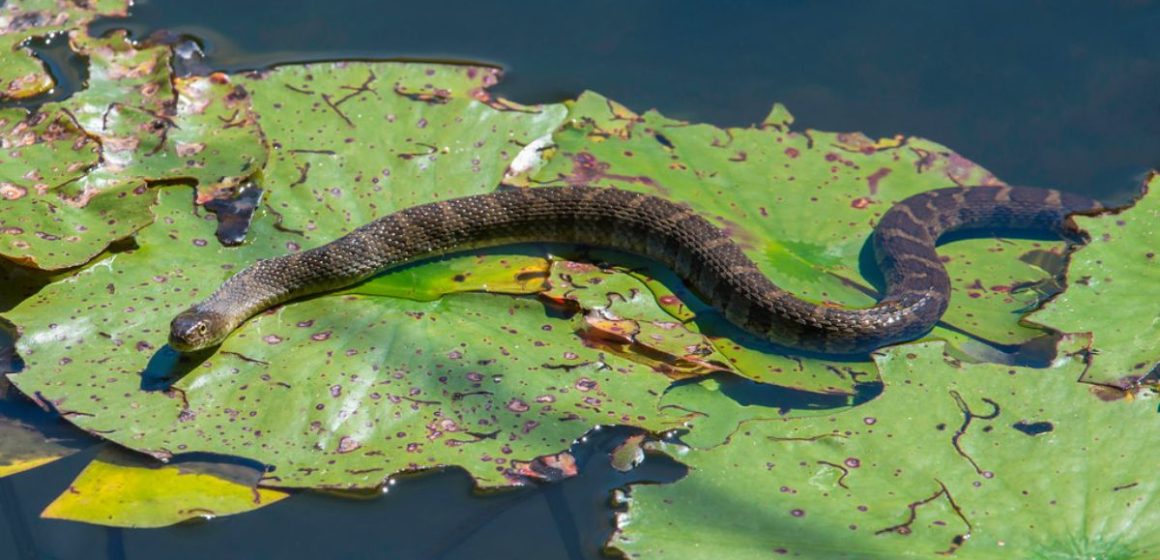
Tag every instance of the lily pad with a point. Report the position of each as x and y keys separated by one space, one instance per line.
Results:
x=119 y=489
x=1116 y=275
x=338 y=391
x=346 y=389
x=23 y=75
x=68 y=205
x=998 y=461
x=759 y=182
x=29 y=436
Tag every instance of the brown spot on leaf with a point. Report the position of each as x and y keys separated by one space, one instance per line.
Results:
x=549 y=468
x=348 y=444
x=874 y=178
x=9 y=191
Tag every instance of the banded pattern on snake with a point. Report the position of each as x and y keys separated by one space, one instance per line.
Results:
x=704 y=256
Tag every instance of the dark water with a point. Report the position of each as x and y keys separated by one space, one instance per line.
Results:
x=1049 y=93
x=1058 y=93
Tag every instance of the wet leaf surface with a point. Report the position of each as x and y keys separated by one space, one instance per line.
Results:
x=144 y=126
x=234 y=214
x=1113 y=292
x=498 y=271
x=120 y=489
x=990 y=465
x=22 y=74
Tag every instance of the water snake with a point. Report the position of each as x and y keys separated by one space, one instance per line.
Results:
x=704 y=256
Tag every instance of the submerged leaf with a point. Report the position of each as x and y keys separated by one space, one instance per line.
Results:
x=27 y=444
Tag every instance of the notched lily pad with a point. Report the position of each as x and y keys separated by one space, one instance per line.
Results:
x=144 y=127
x=1113 y=286
x=998 y=461
x=22 y=74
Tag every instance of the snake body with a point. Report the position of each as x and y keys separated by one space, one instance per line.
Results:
x=704 y=256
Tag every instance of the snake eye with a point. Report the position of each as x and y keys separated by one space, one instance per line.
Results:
x=202 y=328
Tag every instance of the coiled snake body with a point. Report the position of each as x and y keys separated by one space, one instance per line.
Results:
x=704 y=256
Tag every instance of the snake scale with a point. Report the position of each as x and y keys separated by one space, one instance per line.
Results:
x=704 y=256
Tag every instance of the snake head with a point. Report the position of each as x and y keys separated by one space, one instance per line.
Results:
x=194 y=330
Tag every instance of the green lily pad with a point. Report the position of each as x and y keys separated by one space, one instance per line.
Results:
x=23 y=75
x=759 y=182
x=352 y=142
x=495 y=271
x=1116 y=275
x=338 y=391
x=998 y=461
x=346 y=389
x=68 y=206
x=29 y=436
x=119 y=489
x=41 y=151
x=334 y=391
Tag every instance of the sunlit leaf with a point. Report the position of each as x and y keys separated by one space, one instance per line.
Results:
x=76 y=174
x=22 y=74
x=126 y=490
x=1113 y=292
x=802 y=204
x=345 y=390
x=974 y=461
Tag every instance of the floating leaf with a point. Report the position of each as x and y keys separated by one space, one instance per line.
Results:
x=29 y=443
x=998 y=461
x=22 y=75
x=344 y=390
x=339 y=391
x=1117 y=275
x=495 y=271
x=759 y=182
x=67 y=206
x=122 y=490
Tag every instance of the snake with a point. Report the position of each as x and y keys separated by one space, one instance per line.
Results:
x=707 y=258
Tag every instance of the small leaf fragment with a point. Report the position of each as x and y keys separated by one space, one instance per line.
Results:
x=118 y=489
